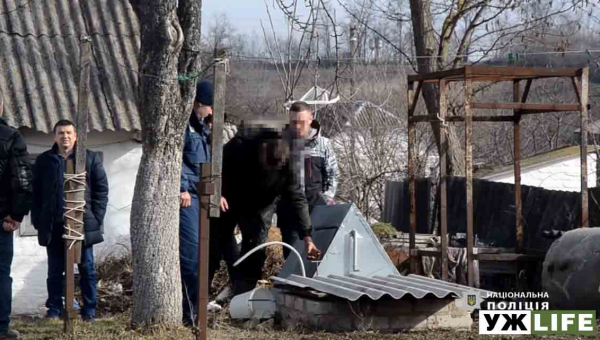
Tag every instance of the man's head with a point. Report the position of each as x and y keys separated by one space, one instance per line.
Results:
x=65 y=135
x=204 y=99
x=274 y=151
x=301 y=118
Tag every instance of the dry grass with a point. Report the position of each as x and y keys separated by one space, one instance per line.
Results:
x=116 y=328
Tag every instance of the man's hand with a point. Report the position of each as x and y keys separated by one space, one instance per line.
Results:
x=10 y=225
x=312 y=252
x=224 y=206
x=185 y=199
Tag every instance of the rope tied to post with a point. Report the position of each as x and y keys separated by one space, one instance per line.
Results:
x=79 y=206
x=223 y=61
x=443 y=123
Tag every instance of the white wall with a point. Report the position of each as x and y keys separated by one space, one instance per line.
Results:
x=121 y=160
x=564 y=175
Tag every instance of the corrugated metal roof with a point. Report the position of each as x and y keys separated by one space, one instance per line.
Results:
x=39 y=58
x=560 y=154
x=353 y=287
x=355 y=114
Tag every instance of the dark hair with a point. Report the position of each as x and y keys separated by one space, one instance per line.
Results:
x=63 y=122
x=300 y=106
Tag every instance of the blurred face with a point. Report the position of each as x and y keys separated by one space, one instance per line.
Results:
x=65 y=137
x=300 y=123
x=1 y=106
x=202 y=110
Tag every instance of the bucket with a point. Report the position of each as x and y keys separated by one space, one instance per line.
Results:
x=258 y=303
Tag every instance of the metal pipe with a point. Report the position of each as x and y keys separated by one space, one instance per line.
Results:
x=355 y=236
x=269 y=244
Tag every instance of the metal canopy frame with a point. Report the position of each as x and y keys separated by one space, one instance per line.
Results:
x=469 y=74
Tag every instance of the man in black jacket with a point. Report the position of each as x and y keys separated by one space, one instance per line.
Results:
x=48 y=217
x=15 y=202
x=257 y=168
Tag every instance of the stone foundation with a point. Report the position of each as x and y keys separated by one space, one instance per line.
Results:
x=407 y=314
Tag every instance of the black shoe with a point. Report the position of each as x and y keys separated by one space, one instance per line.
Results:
x=12 y=335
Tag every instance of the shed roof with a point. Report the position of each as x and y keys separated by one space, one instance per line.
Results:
x=553 y=156
x=39 y=58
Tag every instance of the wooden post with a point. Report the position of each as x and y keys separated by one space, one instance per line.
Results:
x=411 y=182
x=584 y=143
x=517 y=169
x=75 y=184
x=216 y=157
x=469 y=173
x=205 y=188
x=443 y=181
x=210 y=188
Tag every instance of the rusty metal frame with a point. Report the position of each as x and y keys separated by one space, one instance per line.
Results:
x=468 y=75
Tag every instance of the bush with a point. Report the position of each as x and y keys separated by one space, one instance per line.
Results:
x=383 y=230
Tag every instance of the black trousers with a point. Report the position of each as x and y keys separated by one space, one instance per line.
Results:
x=255 y=230
x=285 y=222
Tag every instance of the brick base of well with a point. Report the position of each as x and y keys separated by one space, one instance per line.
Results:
x=383 y=315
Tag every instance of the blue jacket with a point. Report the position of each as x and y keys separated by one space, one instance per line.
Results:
x=48 y=199
x=196 y=151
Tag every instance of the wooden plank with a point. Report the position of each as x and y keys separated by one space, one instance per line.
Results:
x=509 y=257
x=469 y=176
x=435 y=76
x=415 y=98
x=517 y=169
x=443 y=186
x=584 y=97
x=527 y=107
x=69 y=314
x=453 y=119
x=411 y=177
x=216 y=157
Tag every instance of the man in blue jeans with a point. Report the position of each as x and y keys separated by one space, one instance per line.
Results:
x=47 y=216
x=15 y=202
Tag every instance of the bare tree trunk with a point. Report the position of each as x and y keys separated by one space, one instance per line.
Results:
x=170 y=44
x=425 y=45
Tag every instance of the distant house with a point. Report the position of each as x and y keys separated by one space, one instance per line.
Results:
x=558 y=169
x=39 y=58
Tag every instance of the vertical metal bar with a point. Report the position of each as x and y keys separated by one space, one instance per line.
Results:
x=517 y=170
x=443 y=180
x=584 y=134
x=469 y=172
x=411 y=183
x=206 y=188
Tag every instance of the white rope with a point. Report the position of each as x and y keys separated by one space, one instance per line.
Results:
x=224 y=61
x=79 y=206
x=274 y=243
x=442 y=122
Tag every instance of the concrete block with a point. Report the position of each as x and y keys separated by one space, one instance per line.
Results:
x=395 y=307
x=281 y=299
x=299 y=303
x=464 y=322
x=332 y=323
x=433 y=305
x=374 y=323
x=409 y=322
x=317 y=307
